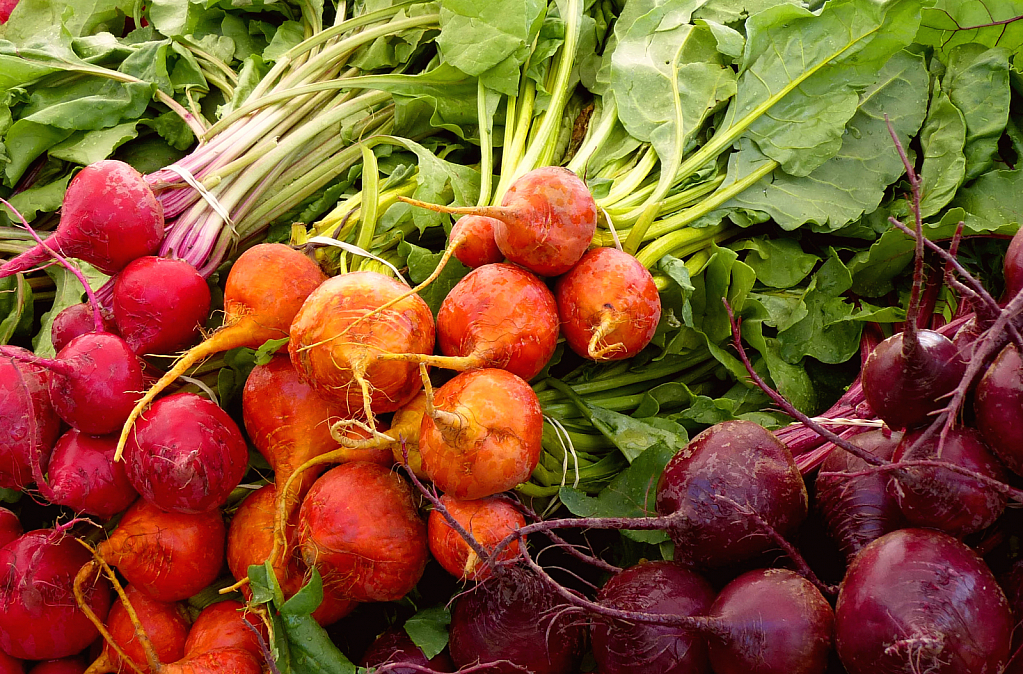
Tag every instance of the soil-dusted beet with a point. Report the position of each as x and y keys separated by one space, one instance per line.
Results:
x=775 y=622
x=489 y=520
x=941 y=499
x=28 y=423
x=225 y=625
x=109 y=217
x=75 y=320
x=904 y=385
x=165 y=624
x=858 y=510
x=473 y=239
x=515 y=617
x=637 y=648
x=359 y=526
x=170 y=556
x=918 y=600
x=336 y=343
x=160 y=304
x=10 y=527
x=998 y=404
x=608 y=304
x=186 y=455
x=40 y=619
x=83 y=475
x=395 y=646
x=484 y=436
x=724 y=471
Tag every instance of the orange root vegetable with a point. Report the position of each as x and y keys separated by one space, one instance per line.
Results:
x=165 y=624
x=482 y=434
x=489 y=520
x=405 y=425
x=217 y=661
x=225 y=625
x=267 y=285
x=473 y=241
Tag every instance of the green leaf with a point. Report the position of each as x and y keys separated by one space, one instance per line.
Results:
x=46 y=197
x=261 y=583
x=942 y=140
x=779 y=263
x=993 y=203
x=635 y=436
x=32 y=18
x=428 y=630
x=977 y=82
x=265 y=353
x=90 y=147
x=287 y=36
x=16 y=310
x=421 y=263
x=69 y=291
x=791 y=380
x=10 y=495
x=950 y=23
x=307 y=599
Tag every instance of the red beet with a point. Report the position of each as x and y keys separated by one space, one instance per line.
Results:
x=1013 y=267
x=28 y=423
x=75 y=320
x=742 y=462
x=40 y=618
x=9 y=665
x=61 y=666
x=489 y=521
x=109 y=217
x=160 y=304
x=998 y=403
x=918 y=600
x=638 y=648
x=473 y=238
x=186 y=455
x=83 y=475
x=395 y=646
x=10 y=527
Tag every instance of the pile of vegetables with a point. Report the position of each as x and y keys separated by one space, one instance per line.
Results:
x=621 y=336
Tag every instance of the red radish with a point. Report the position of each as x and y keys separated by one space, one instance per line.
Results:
x=484 y=435
x=473 y=239
x=637 y=648
x=186 y=455
x=339 y=334
x=775 y=622
x=41 y=619
x=77 y=319
x=109 y=217
x=918 y=600
x=394 y=646
x=498 y=316
x=10 y=527
x=170 y=556
x=83 y=475
x=61 y=666
x=165 y=624
x=725 y=471
x=405 y=426
x=546 y=220
x=489 y=521
x=226 y=624
x=160 y=304
x=359 y=526
x=28 y=423
x=264 y=290
x=9 y=665
x=608 y=304
x=998 y=404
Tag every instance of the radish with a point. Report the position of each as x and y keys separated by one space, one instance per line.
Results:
x=29 y=425
x=160 y=304
x=488 y=520
x=608 y=304
x=83 y=475
x=10 y=527
x=472 y=237
x=917 y=600
x=169 y=556
x=482 y=434
x=545 y=222
x=359 y=526
x=186 y=455
x=109 y=217
x=726 y=473
x=41 y=618
x=998 y=404
x=75 y=320
x=394 y=647
x=166 y=625
x=264 y=290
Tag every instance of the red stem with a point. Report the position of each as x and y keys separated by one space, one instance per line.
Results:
x=58 y=366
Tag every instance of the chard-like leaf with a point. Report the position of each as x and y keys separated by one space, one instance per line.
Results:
x=977 y=82
x=942 y=140
x=428 y=629
x=994 y=202
x=950 y=23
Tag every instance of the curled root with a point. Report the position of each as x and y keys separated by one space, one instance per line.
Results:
x=598 y=349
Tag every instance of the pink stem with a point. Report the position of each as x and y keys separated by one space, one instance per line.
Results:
x=58 y=366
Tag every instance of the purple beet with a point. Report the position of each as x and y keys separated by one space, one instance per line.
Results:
x=918 y=600
x=28 y=423
x=395 y=646
x=77 y=319
x=858 y=510
x=160 y=304
x=83 y=475
x=637 y=648
x=727 y=470
x=1013 y=267
x=998 y=404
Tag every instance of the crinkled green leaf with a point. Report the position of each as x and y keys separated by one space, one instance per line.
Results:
x=287 y=36
x=89 y=147
x=949 y=23
x=421 y=263
x=32 y=18
x=428 y=629
x=69 y=291
x=942 y=140
x=994 y=202
x=634 y=436
x=41 y=198
x=977 y=82
x=265 y=353
x=779 y=263
x=790 y=379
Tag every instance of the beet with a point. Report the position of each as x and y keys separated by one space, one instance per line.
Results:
x=395 y=646
x=77 y=319
x=9 y=665
x=918 y=600
x=638 y=648
x=489 y=521
x=10 y=527
x=60 y=666
x=226 y=625
x=1013 y=267
x=165 y=624
x=740 y=461
x=998 y=404
x=473 y=239
x=28 y=423
x=84 y=476
x=217 y=661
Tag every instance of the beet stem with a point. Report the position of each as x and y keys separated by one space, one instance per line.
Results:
x=264 y=649
x=58 y=366
x=565 y=545
x=151 y=657
x=997 y=485
x=83 y=604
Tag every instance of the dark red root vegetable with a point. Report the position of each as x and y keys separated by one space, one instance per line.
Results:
x=608 y=304
x=727 y=469
x=1012 y=584
x=858 y=510
x=473 y=237
x=76 y=320
x=41 y=619
x=774 y=622
x=28 y=423
x=336 y=344
x=83 y=475
x=918 y=600
x=186 y=455
x=170 y=556
x=637 y=648
x=1013 y=267
x=488 y=520
x=109 y=217
x=498 y=316
x=165 y=624
x=998 y=404
x=359 y=527
x=515 y=617
x=903 y=385
x=940 y=499
x=484 y=435
x=394 y=646
x=226 y=624
x=10 y=527
x=9 y=665
x=264 y=290
x=160 y=304
x=60 y=666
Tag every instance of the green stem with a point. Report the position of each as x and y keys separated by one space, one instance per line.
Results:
x=486 y=146
x=684 y=242
x=370 y=194
x=596 y=140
